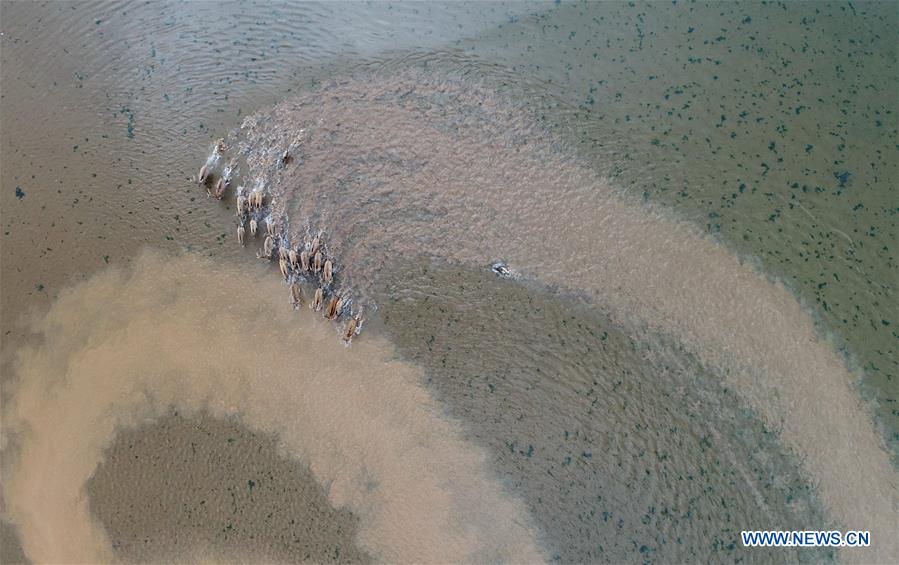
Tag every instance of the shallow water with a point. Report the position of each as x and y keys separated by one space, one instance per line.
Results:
x=233 y=491
x=363 y=423
x=624 y=450
x=644 y=391
x=464 y=176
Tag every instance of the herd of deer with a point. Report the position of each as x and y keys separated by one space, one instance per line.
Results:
x=307 y=261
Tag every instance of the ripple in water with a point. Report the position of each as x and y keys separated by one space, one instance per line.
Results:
x=630 y=355
x=623 y=447
x=168 y=334
x=392 y=165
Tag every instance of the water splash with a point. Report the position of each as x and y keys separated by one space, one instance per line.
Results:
x=407 y=163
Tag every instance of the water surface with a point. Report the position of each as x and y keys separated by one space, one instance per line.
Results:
x=645 y=390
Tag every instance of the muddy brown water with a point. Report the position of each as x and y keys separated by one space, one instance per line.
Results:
x=697 y=199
